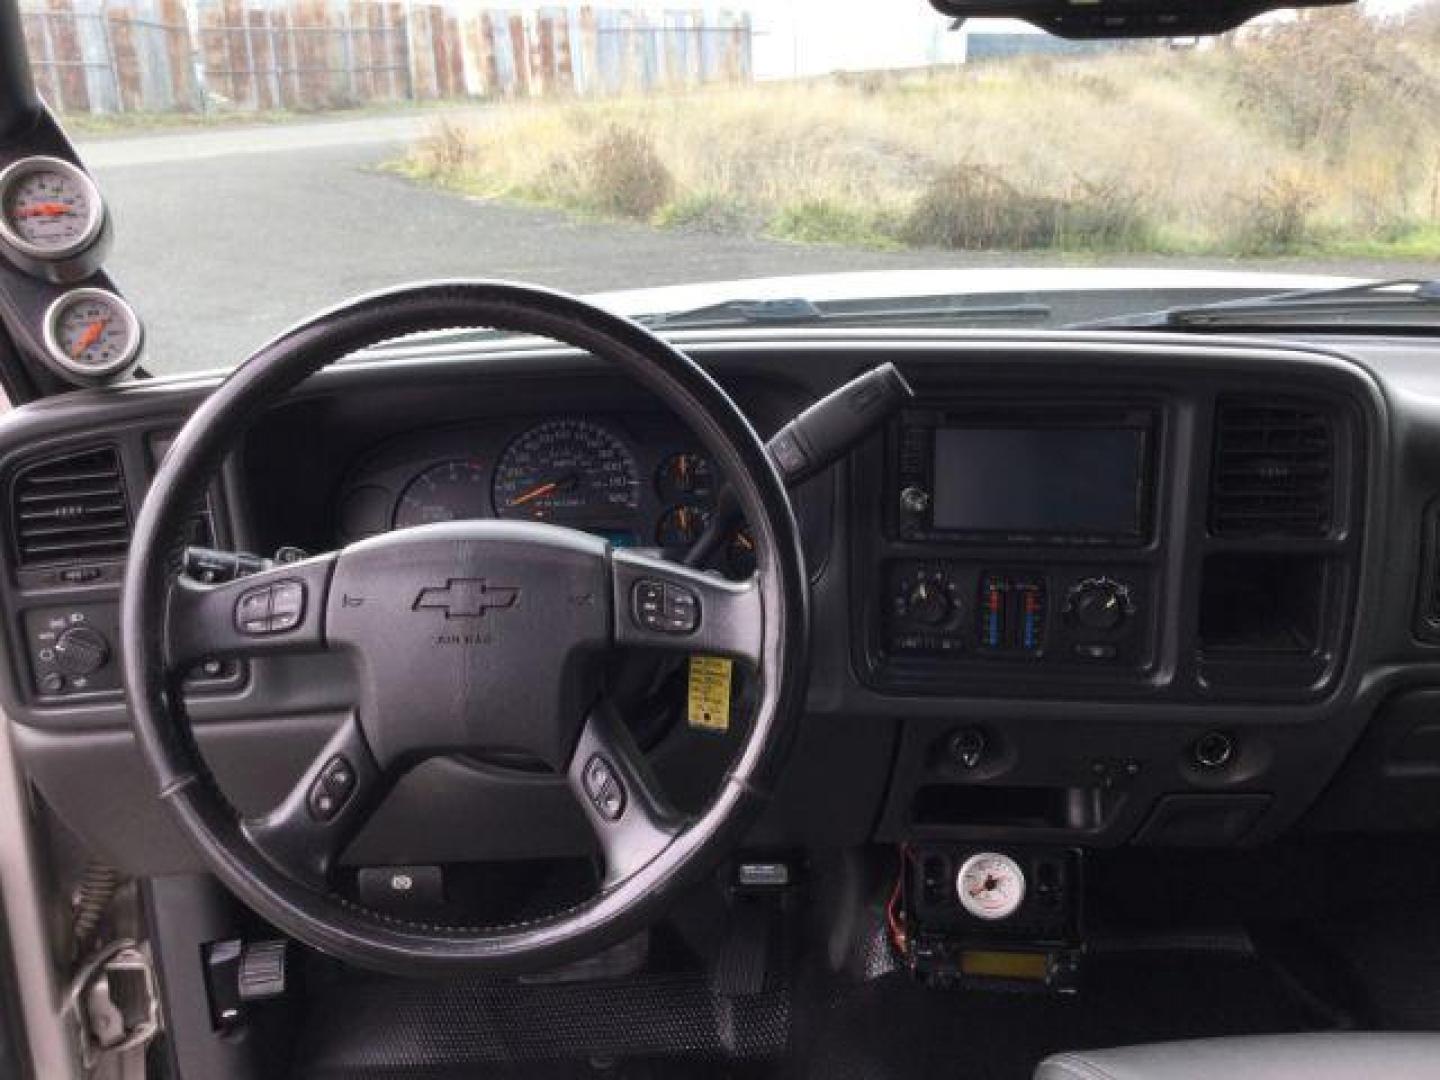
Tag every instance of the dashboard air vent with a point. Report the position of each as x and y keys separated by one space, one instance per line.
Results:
x=1274 y=469
x=1427 y=615
x=71 y=506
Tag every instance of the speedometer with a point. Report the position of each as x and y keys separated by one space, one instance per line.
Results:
x=567 y=471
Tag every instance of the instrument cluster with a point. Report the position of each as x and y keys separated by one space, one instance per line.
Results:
x=637 y=480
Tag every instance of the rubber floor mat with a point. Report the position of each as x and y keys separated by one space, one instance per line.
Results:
x=375 y=1027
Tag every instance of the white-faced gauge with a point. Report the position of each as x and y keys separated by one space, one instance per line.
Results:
x=92 y=333
x=990 y=886
x=49 y=209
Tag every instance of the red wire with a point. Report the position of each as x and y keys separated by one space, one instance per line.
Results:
x=892 y=919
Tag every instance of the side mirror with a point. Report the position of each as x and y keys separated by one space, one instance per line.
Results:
x=1090 y=19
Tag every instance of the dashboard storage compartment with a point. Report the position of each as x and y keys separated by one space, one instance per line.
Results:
x=1262 y=603
x=1269 y=622
x=1008 y=807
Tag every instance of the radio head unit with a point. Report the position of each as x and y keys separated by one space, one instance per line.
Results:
x=1025 y=476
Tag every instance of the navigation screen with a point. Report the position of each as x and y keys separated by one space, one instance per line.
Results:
x=1038 y=480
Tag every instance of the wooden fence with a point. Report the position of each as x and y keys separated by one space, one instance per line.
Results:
x=199 y=55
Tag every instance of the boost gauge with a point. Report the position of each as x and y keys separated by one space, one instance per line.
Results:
x=990 y=886
x=49 y=209
x=92 y=333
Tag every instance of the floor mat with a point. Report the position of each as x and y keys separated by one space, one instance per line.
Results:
x=895 y=1029
x=379 y=1028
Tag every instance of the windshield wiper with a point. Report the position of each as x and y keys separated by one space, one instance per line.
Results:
x=797 y=311
x=1394 y=302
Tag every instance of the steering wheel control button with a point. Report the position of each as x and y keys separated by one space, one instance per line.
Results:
x=666 y=609
x=603 y=786
x=286 y=607
x=682 y=610
x=650 y=605
x=331 y=790
x=323 y=805
x=338 y=777
x=270 y=609
x=252 y=610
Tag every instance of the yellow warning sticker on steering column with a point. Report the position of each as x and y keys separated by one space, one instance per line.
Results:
x=708 y=700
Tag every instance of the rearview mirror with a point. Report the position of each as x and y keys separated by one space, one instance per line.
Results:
x=1123 y=18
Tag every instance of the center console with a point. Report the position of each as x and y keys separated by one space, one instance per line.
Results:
x=1018 y=535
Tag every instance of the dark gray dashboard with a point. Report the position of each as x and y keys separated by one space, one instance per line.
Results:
x=1320 y=700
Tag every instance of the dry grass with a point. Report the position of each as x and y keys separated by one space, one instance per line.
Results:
x=1320 y=133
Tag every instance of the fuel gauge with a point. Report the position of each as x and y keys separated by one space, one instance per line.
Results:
x=92 y=333
x=685 y=478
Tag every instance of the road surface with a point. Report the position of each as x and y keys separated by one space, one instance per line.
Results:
x=224 y=237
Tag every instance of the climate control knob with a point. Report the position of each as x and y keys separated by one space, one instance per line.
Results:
x=1099 y=604
x=81 y=651
x=926 y=596
x=927 y=603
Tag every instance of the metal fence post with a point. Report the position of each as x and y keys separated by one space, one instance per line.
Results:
x=410 y=48
x=112 y=63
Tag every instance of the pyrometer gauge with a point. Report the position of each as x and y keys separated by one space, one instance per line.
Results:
x=91 y=334
x=990 y=886
x=51 y=218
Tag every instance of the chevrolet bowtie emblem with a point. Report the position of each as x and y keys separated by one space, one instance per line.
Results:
x=467 y=598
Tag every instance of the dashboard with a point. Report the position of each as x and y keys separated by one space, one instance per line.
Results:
x=1089 y=589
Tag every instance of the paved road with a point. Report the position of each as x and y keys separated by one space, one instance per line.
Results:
x=225 y=237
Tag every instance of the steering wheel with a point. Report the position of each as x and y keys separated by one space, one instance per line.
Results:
x=466 y=637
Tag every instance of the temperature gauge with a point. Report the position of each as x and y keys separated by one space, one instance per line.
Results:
x=990 y=886
x=49 y=209
x=681 y=526
x=92 y=333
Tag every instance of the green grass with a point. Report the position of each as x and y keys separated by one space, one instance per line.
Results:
x=821 y=222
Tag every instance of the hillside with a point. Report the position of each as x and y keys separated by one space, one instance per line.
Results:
x=1318 y=136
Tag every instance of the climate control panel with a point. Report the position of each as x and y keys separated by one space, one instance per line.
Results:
x=958 y=611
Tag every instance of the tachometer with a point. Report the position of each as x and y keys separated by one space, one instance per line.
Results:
x=566 y=471
x=450 y=491
x=49 y=209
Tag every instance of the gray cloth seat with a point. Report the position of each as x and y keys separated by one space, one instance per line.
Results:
x=1314 y=1056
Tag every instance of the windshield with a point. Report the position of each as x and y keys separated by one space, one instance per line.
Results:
x=263 y=160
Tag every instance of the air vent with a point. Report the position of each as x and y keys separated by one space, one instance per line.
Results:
x=70 y=507
x=1274 y=470
x=1427 y=614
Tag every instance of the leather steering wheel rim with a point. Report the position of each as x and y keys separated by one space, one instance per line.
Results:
x=152 y=600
